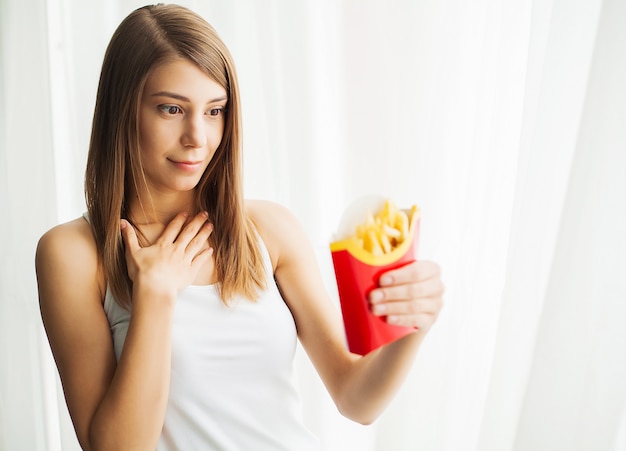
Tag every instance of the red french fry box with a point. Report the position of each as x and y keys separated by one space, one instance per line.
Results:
x=357 y=272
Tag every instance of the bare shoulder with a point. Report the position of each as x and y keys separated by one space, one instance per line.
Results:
x=267 y=214
x=277 y=225
x=76 y=234
x=71 y=291
x=68 y=251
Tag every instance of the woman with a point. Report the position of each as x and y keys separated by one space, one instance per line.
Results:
x=179 y=332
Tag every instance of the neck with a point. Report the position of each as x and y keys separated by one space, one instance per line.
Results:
x=161 y=209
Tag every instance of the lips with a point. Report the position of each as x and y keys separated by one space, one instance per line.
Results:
x=187 y=165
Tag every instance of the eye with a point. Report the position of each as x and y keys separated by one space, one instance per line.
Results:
x=170 y=109
x=217 y=111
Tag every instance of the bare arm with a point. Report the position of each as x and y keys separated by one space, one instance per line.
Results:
x=409 y=296
x=114 y=406
x=360 y=386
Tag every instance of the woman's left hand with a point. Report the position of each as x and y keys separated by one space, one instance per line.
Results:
x=410 y=295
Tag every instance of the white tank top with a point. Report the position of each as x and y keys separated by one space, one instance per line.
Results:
x=232 y=384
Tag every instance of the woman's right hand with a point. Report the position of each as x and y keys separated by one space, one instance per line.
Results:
x=173 y=261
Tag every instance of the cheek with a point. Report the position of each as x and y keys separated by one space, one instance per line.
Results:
x=216 y=135
x=152 y=138
x=145 y=133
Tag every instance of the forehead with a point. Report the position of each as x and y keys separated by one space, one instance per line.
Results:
x=184 y=78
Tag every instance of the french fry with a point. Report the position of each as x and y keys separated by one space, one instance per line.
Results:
x=382 y=232
x=392 y=232
x=384 y=241
x=401 y=223
x=371 y=243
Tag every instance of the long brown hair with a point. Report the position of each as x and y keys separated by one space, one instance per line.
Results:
x=147 y=37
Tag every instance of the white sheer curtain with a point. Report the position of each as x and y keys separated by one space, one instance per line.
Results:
x=503 y=120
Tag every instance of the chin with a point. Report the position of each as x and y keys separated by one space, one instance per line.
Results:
x=185 y=187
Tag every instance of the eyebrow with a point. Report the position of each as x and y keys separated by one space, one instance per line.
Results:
x=173 y=95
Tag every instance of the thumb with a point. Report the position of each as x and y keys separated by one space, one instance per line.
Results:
x=129 y=236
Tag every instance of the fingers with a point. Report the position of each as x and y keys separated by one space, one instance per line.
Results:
x=191 y=238
x=129 y=236
x=412 y=307
x=415 y=271
x=420 y=313
x=194 y=232
x=415 y=280
x=173 y=229
x=423 y=321
x=409 y=296
x=198 y=246
x=202 y=257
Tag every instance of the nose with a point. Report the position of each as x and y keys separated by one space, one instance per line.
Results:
x=194 y=133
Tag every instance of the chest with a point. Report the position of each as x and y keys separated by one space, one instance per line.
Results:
x=214 y=341
x=218 y=341
x=206 y=275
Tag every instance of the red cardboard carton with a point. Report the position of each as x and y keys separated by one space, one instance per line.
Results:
x=357 y=272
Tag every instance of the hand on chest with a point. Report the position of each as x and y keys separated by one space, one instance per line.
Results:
x=150 y=233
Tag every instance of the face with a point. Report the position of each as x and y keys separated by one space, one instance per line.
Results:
x=181 y=123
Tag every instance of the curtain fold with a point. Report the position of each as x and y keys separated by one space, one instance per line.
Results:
x=26 y=158
x=561 y=48
x=502 y=120
x=576 y=389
